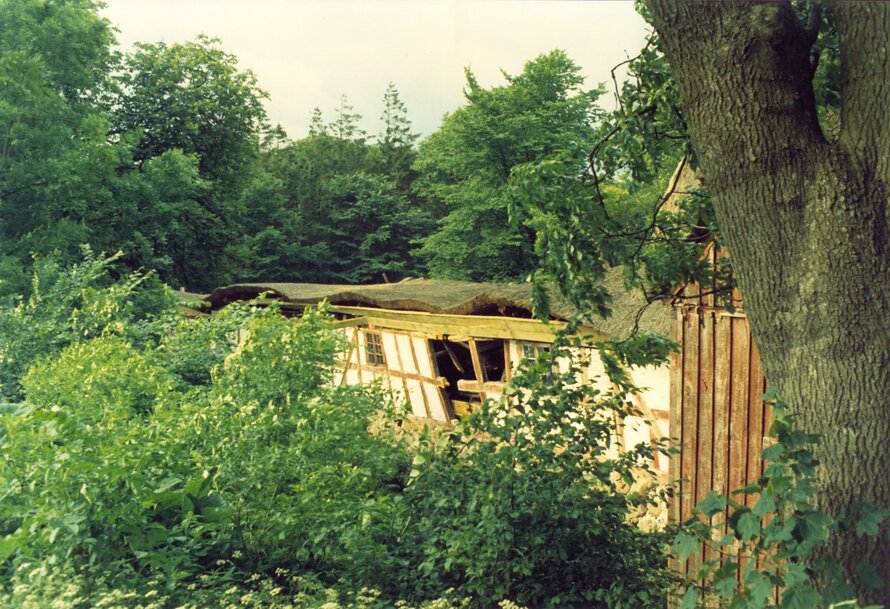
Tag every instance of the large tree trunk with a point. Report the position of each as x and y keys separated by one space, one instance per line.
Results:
x=805 y=220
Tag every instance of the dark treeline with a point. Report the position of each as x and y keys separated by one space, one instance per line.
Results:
x=165 y=153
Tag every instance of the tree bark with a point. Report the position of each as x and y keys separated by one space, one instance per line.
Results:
x=805 y=220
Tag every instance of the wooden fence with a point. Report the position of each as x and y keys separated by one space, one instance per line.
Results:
x=716 y=412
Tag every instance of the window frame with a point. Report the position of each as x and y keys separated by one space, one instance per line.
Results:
x=373 y=347
x=535 y=348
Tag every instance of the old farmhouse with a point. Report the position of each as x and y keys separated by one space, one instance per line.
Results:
x=448 y=345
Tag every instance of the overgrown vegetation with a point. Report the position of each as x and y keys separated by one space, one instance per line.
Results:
x=156 y=461
x=150 y=458
x=151 y=461
x=770 y=536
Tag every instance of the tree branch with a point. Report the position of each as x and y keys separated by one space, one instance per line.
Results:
x=743 y=69
x=865 y=94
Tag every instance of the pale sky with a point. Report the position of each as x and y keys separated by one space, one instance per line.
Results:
x=306 y=53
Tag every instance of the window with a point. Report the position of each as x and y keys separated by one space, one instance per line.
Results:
x=533 y=351
x=374 y=349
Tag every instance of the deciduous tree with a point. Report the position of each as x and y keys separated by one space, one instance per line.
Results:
x=465 y=166
x=804 y=210
x=192 y=97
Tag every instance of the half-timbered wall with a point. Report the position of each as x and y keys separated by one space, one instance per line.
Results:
x=409 y=368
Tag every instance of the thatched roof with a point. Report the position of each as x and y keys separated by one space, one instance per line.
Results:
x=455 y=298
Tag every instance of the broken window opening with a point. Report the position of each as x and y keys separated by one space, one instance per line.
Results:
x=454 y=361
x=492 y=360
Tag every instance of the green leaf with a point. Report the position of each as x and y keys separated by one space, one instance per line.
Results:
x=10 y=543
x=801 y=597
x=870 y=519
x=759 y=587
x=689 y=599
x=685 y=544
x=765 y=505
x=712 y=503
x=795 y=574
x=868 y=577
x=774 y=452
x=750 y=489
x=748 y=526
x=726 y=586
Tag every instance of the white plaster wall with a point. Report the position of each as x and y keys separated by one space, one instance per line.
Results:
x=654 y=382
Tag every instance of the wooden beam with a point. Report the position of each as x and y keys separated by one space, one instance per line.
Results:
x=477 y=387
x=508 y=365
x=454 y=358
x=477 y=367
x=459 y=339
x=358 y=353
x=350 y=322
x=476 y=326
x=348 y=361
x=426 y=402
x=439 y=381
x=447 y=407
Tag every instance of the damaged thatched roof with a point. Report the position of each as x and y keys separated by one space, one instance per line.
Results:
x=455 y=298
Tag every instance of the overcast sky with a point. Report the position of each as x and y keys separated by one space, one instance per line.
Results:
x=308 y=53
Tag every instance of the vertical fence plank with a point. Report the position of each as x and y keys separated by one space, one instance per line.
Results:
x=688 y=462
x=722 y=396
x=675 y=423
x=738 y=422
x=705 y=475
x=755 y=420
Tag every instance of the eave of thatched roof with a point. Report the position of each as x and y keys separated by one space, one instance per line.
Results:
x=455 y=298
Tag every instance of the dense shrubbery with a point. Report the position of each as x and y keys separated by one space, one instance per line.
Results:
x=155 y=461
x=158 y=461
x=530 y=490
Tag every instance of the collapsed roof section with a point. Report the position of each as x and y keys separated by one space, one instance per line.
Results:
x=457 y=298
x=424 y=295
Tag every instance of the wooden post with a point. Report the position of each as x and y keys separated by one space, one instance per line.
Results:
x=705 y=459
x=738 y=417
x=352 y=349
x=508 y=364
x=477 y=366
x=358 y=354
x=689 y=465
x=426 y=402
x=395 y=340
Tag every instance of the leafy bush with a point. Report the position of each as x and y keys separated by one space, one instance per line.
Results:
x=160 y=461
x=307 y=482
x=66 y=305
x=125 y=463
x=524 y=502
x=778 y=541
x=36 y=589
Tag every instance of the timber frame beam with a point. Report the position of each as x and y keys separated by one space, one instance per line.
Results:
x=440 y=325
